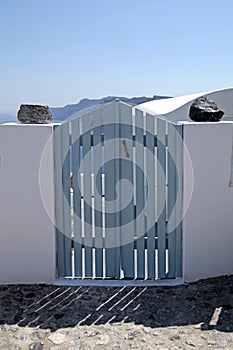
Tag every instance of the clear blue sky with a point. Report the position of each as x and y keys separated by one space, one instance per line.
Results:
x=57 y=52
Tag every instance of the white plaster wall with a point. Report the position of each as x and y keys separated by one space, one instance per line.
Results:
x=177 y=109
x=208 y=223
x=27 y=235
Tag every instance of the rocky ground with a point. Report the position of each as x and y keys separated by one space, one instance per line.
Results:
x=193 y=316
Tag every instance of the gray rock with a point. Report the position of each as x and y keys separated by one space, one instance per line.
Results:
x=222 y=339
x=34 y=114
x=36 y=335
x=36 y=346
x=204 y=110
x=133 y=335
x=76 y=343
x=159 y=342
x=103 y=339
x=57 y=338
x=91 y=333
x=211 y=342
x=177 y=347
x=3 y=341
x=73 y=333
x=10 y=328
x=20 y=335
x=194 y=341
x=186 y=331
x=175 y=337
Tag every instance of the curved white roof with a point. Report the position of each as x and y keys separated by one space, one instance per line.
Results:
x=177 y=108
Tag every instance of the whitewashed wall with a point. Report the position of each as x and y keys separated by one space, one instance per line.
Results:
x=208 y=223
x=27 y=236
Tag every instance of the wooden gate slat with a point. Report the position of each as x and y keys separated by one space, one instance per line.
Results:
x=171 y=197
x=140 y=224
x=161 y=196
x=75 y=140
x=126 y=171
x=87 y=240
x=150 y=173
x=62 y=192
x=66 y=196
x=179 y=165
x=97 y=160
x=59 y=200
x=112 y=240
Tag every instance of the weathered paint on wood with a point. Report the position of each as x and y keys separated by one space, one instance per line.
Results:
x=104 y=147
x=111 y=153
x=171 y=198
x=140 y=187
x=150 y=174
x=161 y=196
x=87 y=240
x=97 y=160
x=126 y=195
x=75 y=141
x=179 y=212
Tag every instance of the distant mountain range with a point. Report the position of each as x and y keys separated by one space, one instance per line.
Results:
x=86 y=105
x=6 y=118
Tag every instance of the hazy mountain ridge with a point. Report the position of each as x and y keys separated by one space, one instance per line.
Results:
x=84 y=106
x=62 y=113
x=7 y=118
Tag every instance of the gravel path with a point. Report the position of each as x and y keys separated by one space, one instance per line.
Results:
x=193 y=316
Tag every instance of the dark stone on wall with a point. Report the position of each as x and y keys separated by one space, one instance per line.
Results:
x=204 y=110
x=34 y=114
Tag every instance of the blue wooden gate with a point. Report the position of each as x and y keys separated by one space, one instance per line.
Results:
x=118 y=187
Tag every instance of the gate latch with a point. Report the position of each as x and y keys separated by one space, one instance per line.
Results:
x=125 y=148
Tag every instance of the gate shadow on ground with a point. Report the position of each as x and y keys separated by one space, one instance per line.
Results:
x=61 y=307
